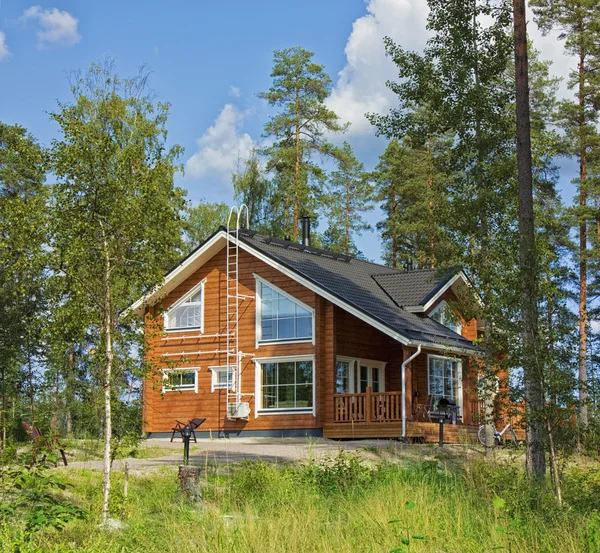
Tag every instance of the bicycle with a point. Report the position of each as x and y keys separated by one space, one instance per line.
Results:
x=481 y=434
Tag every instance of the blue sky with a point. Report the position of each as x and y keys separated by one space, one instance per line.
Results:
x=209 y=59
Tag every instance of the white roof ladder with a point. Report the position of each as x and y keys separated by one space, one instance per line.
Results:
x=234 y=355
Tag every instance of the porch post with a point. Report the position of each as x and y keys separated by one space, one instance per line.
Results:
x=368 y=404
x=404 y=387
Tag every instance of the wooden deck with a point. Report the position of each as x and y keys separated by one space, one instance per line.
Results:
x=426 y=431
x=379 y=415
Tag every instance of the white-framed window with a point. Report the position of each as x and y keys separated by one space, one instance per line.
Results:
x=178 y=380
x=281 y=318
x=188 y=312
x=222 y=378
x=285 y=384
x=356 y=375
x=371 y=374
x=445 y=315
x=444 y=376
x=344 y=375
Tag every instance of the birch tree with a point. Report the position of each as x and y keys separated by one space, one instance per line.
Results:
x=116 y=223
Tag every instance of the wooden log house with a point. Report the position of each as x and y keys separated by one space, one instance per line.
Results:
x=326 y=345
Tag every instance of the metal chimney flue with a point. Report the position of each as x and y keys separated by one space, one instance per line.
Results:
x=306 y=231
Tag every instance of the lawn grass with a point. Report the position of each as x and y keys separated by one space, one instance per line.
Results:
x=338 y=505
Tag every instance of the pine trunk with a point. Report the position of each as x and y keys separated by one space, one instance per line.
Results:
x=347 y=218
x=534 y=394
x=297 y=170
x=583 y=396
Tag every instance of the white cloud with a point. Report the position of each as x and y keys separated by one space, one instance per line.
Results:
x=552 y=49
x=234 y=91
x=360 y=87
x=220 y=147
x=4 y=51
x=55 y=27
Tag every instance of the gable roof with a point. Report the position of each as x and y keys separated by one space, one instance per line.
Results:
x=375 y=293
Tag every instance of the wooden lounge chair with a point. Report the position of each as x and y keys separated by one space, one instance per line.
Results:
x=424 y=409
x=42 y=443
x=192 y=423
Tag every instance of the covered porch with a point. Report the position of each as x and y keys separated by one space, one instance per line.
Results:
x=379 y=415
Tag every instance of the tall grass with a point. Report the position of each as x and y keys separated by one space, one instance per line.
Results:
x=341 y=505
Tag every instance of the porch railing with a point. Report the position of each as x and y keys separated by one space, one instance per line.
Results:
x=368 y=407
x=503 y=410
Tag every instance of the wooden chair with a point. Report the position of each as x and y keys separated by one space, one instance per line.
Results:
x=192 y=423
x=40 y=442
x=424 y=409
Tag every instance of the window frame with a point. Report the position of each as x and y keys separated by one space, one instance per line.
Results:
x=459 y=378
x=351 y=372
x=258 y=409
x=215 y=385
x=179 y=303
x=258 y=319
x=441 y=307
x=165 y=378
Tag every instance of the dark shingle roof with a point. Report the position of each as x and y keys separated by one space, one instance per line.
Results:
x=413 y=288
x=375 y=290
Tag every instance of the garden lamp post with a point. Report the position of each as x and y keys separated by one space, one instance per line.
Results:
x=186 y=432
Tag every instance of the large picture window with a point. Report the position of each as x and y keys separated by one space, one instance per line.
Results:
x=286 y=385
x=444 y=378
x=282 y=318
x=188 y=312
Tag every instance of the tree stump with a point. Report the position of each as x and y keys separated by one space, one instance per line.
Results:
x=189 y=483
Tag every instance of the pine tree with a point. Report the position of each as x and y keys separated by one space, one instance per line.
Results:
x=349 y=196
x=579 y=23
x=412 y=190
x=299 y=90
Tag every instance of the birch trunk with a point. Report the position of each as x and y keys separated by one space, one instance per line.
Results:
x=108 y=352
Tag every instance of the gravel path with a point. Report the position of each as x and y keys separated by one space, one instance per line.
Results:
x=225 y=451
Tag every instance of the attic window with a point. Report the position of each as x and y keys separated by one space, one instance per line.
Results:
x=281 y=317
x=444 y=314
x=188 y=312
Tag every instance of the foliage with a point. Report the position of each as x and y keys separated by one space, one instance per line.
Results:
x=29 y=493
x=201 y=220
x=23 y=235
x=412 y=189
x=348 y=197
x=259 y=506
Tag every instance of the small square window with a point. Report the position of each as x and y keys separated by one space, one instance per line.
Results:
x=180 y=380
x=221 y=378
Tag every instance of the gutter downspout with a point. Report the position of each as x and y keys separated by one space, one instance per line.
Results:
x=415 y=354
